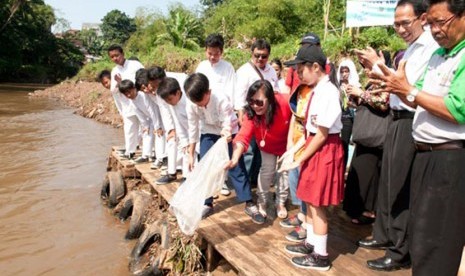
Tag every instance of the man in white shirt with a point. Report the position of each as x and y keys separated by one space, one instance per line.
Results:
x=220 y=74
x=257 y=68
x=392 y=216
x=125 y=69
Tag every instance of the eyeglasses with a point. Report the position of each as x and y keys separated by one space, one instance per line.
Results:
x=440 y=23
x=405 y=23
x=263 y=56
x=258 y=103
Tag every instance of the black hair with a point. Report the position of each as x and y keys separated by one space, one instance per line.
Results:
x=156 y=73
x=196 y=87
x=261 y=44
x=269 y=95
x=278 y=62
x=141 y=78
x=125 y=86
x=457 y=7
x=115 y=47
x=214 y=41
x=104 y=74
x=168 y=86
x=419 y=6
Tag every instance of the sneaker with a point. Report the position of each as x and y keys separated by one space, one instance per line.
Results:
x=262 y=209
x=225 y=190
x=166 y=179
x=207 y=211
x=157 y=164
x=297 y=235
x=252 y=211
x=301 y=249
x=128 y=156
x=312 y=261
x=290 y=222
x=141 y=160
x=120 y=151
x=281 y=211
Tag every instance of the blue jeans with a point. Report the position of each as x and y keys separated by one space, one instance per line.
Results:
x=253 y=161
x=293 y=178
x=238 y=174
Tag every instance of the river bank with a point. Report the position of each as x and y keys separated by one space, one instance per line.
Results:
x=89 y=99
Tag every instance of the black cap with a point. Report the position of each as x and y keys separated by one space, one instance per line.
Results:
x=310 y=38
x=310 y=54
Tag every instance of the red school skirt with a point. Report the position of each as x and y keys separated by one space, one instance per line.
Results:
x=321 y=180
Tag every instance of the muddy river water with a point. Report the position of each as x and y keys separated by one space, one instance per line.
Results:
x=52 y=163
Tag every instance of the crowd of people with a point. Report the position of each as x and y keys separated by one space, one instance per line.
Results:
x=291 y=127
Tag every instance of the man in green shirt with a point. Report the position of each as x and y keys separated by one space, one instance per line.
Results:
x=437 y=223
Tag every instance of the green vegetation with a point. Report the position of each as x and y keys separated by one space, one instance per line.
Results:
x=175 y=40
x=29 y=51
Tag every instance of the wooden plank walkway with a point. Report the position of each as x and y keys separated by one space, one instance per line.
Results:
x=259 y=249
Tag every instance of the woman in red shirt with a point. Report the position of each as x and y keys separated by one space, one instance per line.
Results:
x=267 y=119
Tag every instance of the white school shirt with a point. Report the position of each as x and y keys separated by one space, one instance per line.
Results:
x=166 y=118
x=246 y=76
x=180 y=120
x=127 y=72
x=221 y=77
x=142 y=110
x=212 y=119
x=325 y=108
x=152 y=109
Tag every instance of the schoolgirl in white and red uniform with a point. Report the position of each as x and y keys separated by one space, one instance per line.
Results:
x=321 y=181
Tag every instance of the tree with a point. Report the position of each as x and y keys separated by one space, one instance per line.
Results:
x=28 y=47
x=117 y=27
x=91 y=41
x=183 y=29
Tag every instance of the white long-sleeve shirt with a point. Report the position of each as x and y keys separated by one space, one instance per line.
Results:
x=246 y=76
x=144 y=111
x=218 y=115
x=179 y=112
x=127 y=72
x=166 y=118
x=221 y=77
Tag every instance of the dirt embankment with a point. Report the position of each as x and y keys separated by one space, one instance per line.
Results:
x=90 y=99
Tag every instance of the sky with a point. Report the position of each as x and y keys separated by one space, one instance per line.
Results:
x=92 y=11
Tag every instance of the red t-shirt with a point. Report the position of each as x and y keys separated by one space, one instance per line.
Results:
x=276 y=136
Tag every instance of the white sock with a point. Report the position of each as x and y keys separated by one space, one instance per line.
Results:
x=320 y=244
x=310 y=233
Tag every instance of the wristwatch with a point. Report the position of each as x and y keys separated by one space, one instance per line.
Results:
x=412 y=95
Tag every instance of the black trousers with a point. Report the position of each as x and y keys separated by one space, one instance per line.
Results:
x=346 y=132
x=392 y=214
x=361 y=189
x=437 y=226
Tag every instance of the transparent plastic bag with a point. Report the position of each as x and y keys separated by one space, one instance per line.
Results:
x=204 y=181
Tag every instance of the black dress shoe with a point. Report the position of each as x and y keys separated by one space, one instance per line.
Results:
x=387 y=264
x=373 y=244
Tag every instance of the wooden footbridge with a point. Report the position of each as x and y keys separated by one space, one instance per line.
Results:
x=253 y=249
